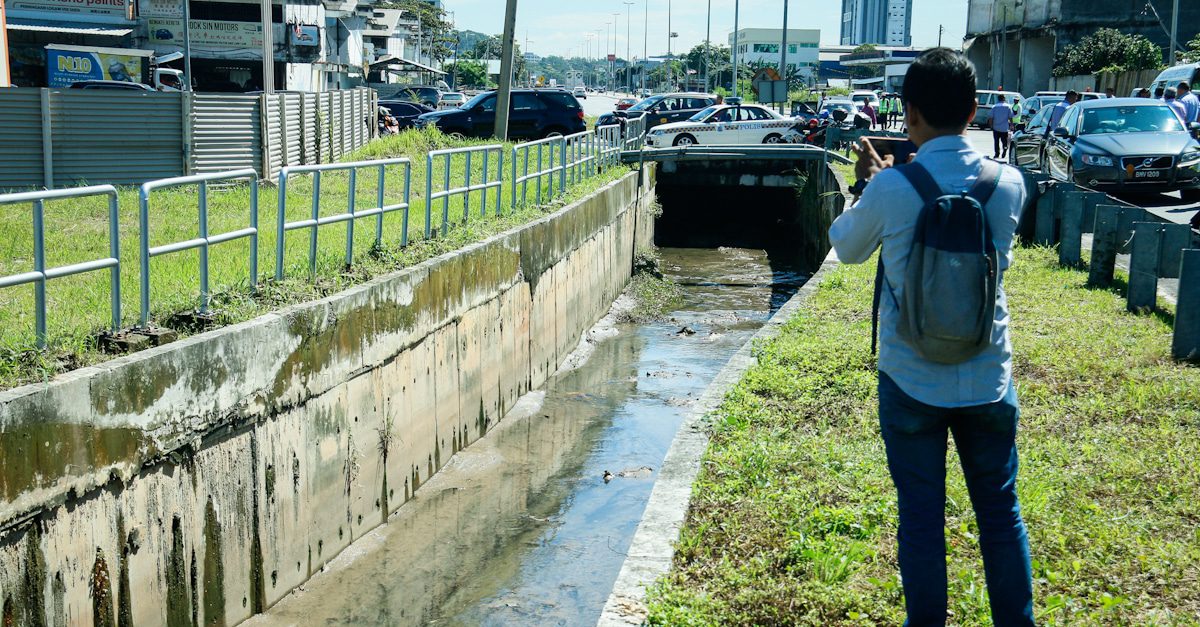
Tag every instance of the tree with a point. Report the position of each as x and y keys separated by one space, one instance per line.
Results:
x=1192 y=54
x=469 y=73
x=865 y=71
x=1110 y=50
x=437 y=34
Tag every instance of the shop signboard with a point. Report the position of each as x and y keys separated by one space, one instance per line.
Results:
x=305 y=35
x=206 y=33
x=107 y=10
x=162 y=8
x=65 y=66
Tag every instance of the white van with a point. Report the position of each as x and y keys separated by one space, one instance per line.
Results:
x=1172 y=76
x=987 y=98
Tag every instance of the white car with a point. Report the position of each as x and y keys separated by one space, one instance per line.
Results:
x=579 y=92
x=452 y=100
x=723 y=125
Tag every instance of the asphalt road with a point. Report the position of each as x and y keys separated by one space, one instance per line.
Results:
x=596 y=104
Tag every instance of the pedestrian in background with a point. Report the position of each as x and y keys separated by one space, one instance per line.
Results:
x=869 y=111
x=885 y=111
x=1173 y=102
x=1191 y=104
x=921 y=401
x=1000 y=120
x=1143 y=93
x=1059 y=109
x=1110 y=92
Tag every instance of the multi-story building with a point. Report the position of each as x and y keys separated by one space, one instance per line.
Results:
x=1013 y=42
x=761 y=45
x=880 y=22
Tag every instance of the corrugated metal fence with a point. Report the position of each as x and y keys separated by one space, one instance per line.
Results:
x=55 y=138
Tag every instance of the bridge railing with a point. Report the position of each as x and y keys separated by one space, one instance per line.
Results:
x=352 y=213
x=491 y=155
x=41 y=274
x=611 y=141
x=548 y=158
x=203 y=240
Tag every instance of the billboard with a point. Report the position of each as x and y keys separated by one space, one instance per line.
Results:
x=113 y=9
x=207 y=33
x=64 y=67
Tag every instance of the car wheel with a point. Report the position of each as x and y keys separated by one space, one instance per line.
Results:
x=773 y=138
x=685 y=140
x=553 y=131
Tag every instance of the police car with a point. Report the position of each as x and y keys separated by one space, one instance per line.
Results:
x=723 y=124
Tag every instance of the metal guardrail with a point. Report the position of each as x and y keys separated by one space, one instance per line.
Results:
x=203 y=240
x=610 y=141
x=551 y=164
x=446 y=158
x=350 y=216
x=581 y=155
x=40 y=274
x=635 y=133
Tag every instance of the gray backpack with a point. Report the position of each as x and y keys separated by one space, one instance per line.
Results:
x=949 y=303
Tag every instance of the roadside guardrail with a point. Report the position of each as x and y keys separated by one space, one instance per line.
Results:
x=445 y=193
x=40 y=274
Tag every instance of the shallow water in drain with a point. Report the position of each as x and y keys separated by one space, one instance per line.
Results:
x=530 y=524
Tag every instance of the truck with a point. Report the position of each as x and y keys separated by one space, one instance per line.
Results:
x=72 y=64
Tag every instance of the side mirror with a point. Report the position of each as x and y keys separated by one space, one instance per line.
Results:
x=1062 y=133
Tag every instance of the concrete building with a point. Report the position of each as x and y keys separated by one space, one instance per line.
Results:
x=761 y=45
x=836 y=62
x=1013 y=42
x=880 y=22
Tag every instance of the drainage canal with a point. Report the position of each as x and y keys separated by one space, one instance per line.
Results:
x=529 y=525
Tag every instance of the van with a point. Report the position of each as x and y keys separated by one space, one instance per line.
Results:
x=1172 y=76
x=987 y=98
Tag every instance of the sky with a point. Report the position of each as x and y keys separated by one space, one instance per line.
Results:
x=560 y=27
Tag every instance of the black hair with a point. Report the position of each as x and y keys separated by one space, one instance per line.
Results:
x=1183 y=85
x=941 y=85
x=1072 y=94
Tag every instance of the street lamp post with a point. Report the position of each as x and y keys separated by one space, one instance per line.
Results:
x=670 y=57
x=612 y=70
x=707 y=44
x=646 y=46
x=783 y=68
x=737 y=10
x=628 y=47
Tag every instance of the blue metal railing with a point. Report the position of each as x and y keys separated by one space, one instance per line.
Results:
x=446 y=159
x=581 y=156
x=350 y=216
x=549 y=157
x=40 y=274
x=203 y=240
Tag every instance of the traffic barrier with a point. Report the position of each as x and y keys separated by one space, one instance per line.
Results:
x=1185 y=344
x=40 y=274
x=445 y=193
x=203 y=240
x=350 y=216
x=581 y=156
x=550 y=162
x=611 y=142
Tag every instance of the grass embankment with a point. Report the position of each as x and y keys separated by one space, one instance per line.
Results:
x=77 y=230
x=793 y=518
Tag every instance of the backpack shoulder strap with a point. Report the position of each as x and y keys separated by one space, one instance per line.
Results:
x=921 y=180
x=988 y=181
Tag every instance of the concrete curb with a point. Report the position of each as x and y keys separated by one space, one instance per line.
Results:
x=653 y=547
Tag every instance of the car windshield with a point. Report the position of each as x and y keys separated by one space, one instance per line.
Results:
x=472 y=103
x=704 y=113
x=647 y=103
x=1130 y=119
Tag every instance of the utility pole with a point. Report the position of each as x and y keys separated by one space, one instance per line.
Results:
x=268 y=49
x=737 y=79
x=1174 y=31
x=707 y=45
x=670 y=57
x=628 y=47
x=941 y=29
x=645 y=46
x=504 y=94
x=612 y=71
x=783 y=68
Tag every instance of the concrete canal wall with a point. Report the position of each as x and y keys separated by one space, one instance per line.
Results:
x=199 y=482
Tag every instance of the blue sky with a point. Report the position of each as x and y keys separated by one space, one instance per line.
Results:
x=559 y=26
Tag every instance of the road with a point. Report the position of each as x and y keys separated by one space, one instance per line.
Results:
x=597 y=104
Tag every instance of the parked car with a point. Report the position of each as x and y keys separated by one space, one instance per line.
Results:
x=452 y=100
x=427 y=95
x=579 y=92
x=1028 y=148
x=1125 y=144
x=1172 y=76
x=723 y=125
x=845 y=104
x=1031 y=106
x=103 y=84
x=661 y=109
x=405 y=112
x=862 y=97
x=625 y=103
x=532 y=114
x=987 y=98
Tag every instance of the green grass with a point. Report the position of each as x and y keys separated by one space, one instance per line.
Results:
x=793 y=518
x=77 y=230
x=654 y=295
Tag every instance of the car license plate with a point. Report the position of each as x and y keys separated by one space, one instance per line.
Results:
x=1148 y=174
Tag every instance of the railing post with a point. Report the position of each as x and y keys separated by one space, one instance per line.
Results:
x=1185 y=344
x=500 y=178
x=562 y=163
x=1175 y=238
x=1046 y=208
x=487 y=178
x=1126 y=218
x=1071 y=229
x=1104 y=247
x=39 y=266
x=114 y=251
x=280 y=232
x=312 y=232
x=407 y=203
x=540 y=167
x=203 y=247
x=350 y=222
x=428 y=196
x=467 y=194
x=1143 y=266
x=1091 y=200
x=513 y=180
x=144 y=253
x=254 y=235
x=446 y=198
x=382 y=198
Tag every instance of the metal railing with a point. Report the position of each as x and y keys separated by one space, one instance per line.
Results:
x=610 y=142
x=446 y=158
x=635 y=133
x=41 y=274
x=350 y=216
x=550 y=160
x=203 y=240
x=581 y=156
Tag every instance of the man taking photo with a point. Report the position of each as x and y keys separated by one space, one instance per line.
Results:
x=934 y=383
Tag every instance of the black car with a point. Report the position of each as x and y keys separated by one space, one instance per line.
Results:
x=425 y=94
x=405 y=112
x=1028 y=148
x=1125 y=144
x=661 y=109
x=533 y=114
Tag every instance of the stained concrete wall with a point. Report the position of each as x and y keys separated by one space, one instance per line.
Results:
x=199 y=482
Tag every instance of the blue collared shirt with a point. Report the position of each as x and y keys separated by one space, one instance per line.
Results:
x=1191 y=107
x=887 y=214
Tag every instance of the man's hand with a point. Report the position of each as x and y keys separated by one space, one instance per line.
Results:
x=869 y=162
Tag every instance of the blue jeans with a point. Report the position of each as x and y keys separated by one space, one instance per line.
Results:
x=914 y=435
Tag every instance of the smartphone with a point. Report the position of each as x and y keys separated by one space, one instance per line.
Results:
x=901 y=148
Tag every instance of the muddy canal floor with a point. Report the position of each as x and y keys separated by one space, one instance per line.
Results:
x=529 y=525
